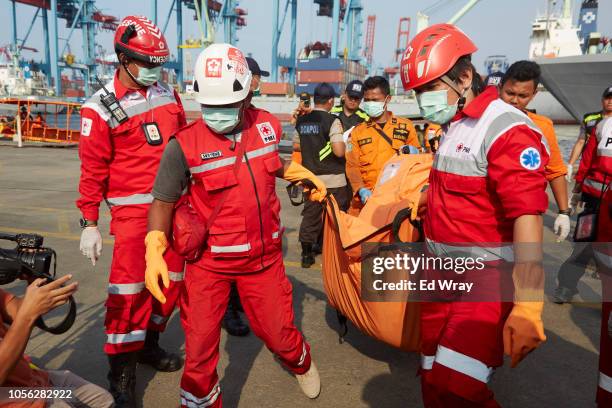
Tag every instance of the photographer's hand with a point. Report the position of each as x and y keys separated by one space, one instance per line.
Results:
x=91 y=243
x=38 y=300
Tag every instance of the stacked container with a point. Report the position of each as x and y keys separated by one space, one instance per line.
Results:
x=335 y=71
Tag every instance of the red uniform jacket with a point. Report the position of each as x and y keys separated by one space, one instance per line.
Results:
x=488 y=171
x=117 y=163
x=246 y=235
x=596 y=165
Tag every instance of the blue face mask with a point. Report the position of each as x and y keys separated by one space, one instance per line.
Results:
x=434 y=107
x=148 y=76
x=374 y=109
x=221 y=120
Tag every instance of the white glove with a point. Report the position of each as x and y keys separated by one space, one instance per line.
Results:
x=570 y=171
x=91 y=243
x=562 y=227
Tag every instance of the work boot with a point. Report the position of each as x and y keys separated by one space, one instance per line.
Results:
x=158 y=358
x=317 y=249
x=232 y=322
x=122 y=379
x=308 y=258
x=310 y=382
x=563 y=295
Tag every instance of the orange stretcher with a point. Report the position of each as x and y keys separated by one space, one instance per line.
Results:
x=386 y=217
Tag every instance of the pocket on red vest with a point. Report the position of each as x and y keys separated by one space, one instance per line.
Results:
x=228 y=238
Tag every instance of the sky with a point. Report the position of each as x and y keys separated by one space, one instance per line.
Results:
x=496 y=26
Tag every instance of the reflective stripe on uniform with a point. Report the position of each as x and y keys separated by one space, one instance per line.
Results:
x=325 y=151
x=503 y=123
x=455 y=165
x=231 y=160
x=275 y=234
x=505 y=252
x=605 y=382
x=158 y=319
x=221 y=249
x=303 y=356
x=130 y=200
x=142 y=107
x=125 y=288
x=427 y=362
x=191 y=401
x=603 y=258
x=176 y=276
x=119 y=338
x=593 y=184
x=463 y=364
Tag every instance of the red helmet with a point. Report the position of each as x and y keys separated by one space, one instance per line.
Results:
x=432 y=53
x=139 y=38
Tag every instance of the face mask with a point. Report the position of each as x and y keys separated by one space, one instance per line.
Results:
x=374 y=109
x=148 y=76
x=221 y=120
x=257 y=92
x=434 y=107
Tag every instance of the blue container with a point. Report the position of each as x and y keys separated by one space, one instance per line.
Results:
x=321 y=64
x=310 y=87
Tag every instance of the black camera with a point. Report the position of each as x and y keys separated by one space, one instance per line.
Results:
x=305 y=99
x=29 y=260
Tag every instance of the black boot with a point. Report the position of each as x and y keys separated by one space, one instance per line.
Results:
x=308 y=258
x=232 y=322
x=122 y=378
x=158 y=358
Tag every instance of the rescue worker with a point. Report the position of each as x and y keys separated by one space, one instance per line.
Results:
x=124 y=129
x=474 y=197
x=373 y=142
x=322 y=148
x=595 y=172
x=232 y=322
x=588 y=124
x=349 y=112
x=572 y=270
x=236 y=200
x=518 y=87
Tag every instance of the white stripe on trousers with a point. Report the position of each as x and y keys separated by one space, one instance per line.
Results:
x=191 y=401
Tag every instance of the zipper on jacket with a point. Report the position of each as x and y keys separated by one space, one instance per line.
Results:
x=261 y=232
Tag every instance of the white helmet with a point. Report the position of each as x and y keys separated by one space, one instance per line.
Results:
x=222 y=75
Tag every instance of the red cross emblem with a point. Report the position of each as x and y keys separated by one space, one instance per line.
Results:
x=213 y=67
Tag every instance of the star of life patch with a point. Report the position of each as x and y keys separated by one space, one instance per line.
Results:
x=530 y=158
x=86 y=124
x=266 y=131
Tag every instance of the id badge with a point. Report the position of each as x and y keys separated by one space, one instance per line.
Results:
x=152 y=133
x=586 y=228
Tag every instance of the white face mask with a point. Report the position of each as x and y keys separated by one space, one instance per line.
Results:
x=221 y=120
x=374 y=109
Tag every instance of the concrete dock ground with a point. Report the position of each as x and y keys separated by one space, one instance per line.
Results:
x=37 y=194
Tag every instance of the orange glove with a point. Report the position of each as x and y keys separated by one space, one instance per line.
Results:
x=295 y=173
x=156 y=244
x=524 y=330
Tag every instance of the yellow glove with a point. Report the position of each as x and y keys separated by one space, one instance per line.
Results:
x=524 y=330
x=295 y=173
x=156 y=244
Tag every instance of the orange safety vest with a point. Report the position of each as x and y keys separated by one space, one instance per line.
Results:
x=367 y=150
x=555 y=167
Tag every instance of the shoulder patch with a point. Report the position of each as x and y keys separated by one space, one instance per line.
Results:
x=530 y=158
x=266 y=131
x=86 y=124
x=400 y=133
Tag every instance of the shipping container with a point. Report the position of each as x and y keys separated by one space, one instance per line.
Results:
x=321 y=64
x=310 y=87
x=276 y=88
x=320 y=76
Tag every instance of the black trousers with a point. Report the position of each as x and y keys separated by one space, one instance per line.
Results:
x=311 y=228
x=574 y=268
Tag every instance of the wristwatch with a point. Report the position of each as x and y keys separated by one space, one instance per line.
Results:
x=87 y=223
x=566 y=211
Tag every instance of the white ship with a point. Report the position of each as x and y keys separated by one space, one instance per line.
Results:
x=576 y=62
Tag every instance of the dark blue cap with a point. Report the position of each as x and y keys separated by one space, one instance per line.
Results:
x=494 y=79
x=608 y=92
x=354 y=89
x=324 y=90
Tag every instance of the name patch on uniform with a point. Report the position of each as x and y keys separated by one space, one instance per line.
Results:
x=365 y=141
x=266 y=131
x=86 y=126
x=400 y=134
x=530 y=158
x=211 y=155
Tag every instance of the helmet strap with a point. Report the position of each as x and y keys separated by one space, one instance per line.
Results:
x=132 y=77
x=454 y=87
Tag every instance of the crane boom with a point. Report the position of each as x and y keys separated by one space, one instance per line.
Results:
x=470 y=5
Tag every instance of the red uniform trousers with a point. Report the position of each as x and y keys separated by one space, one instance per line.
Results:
x=603 y=255
x=267 y=300
x=130 y=308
